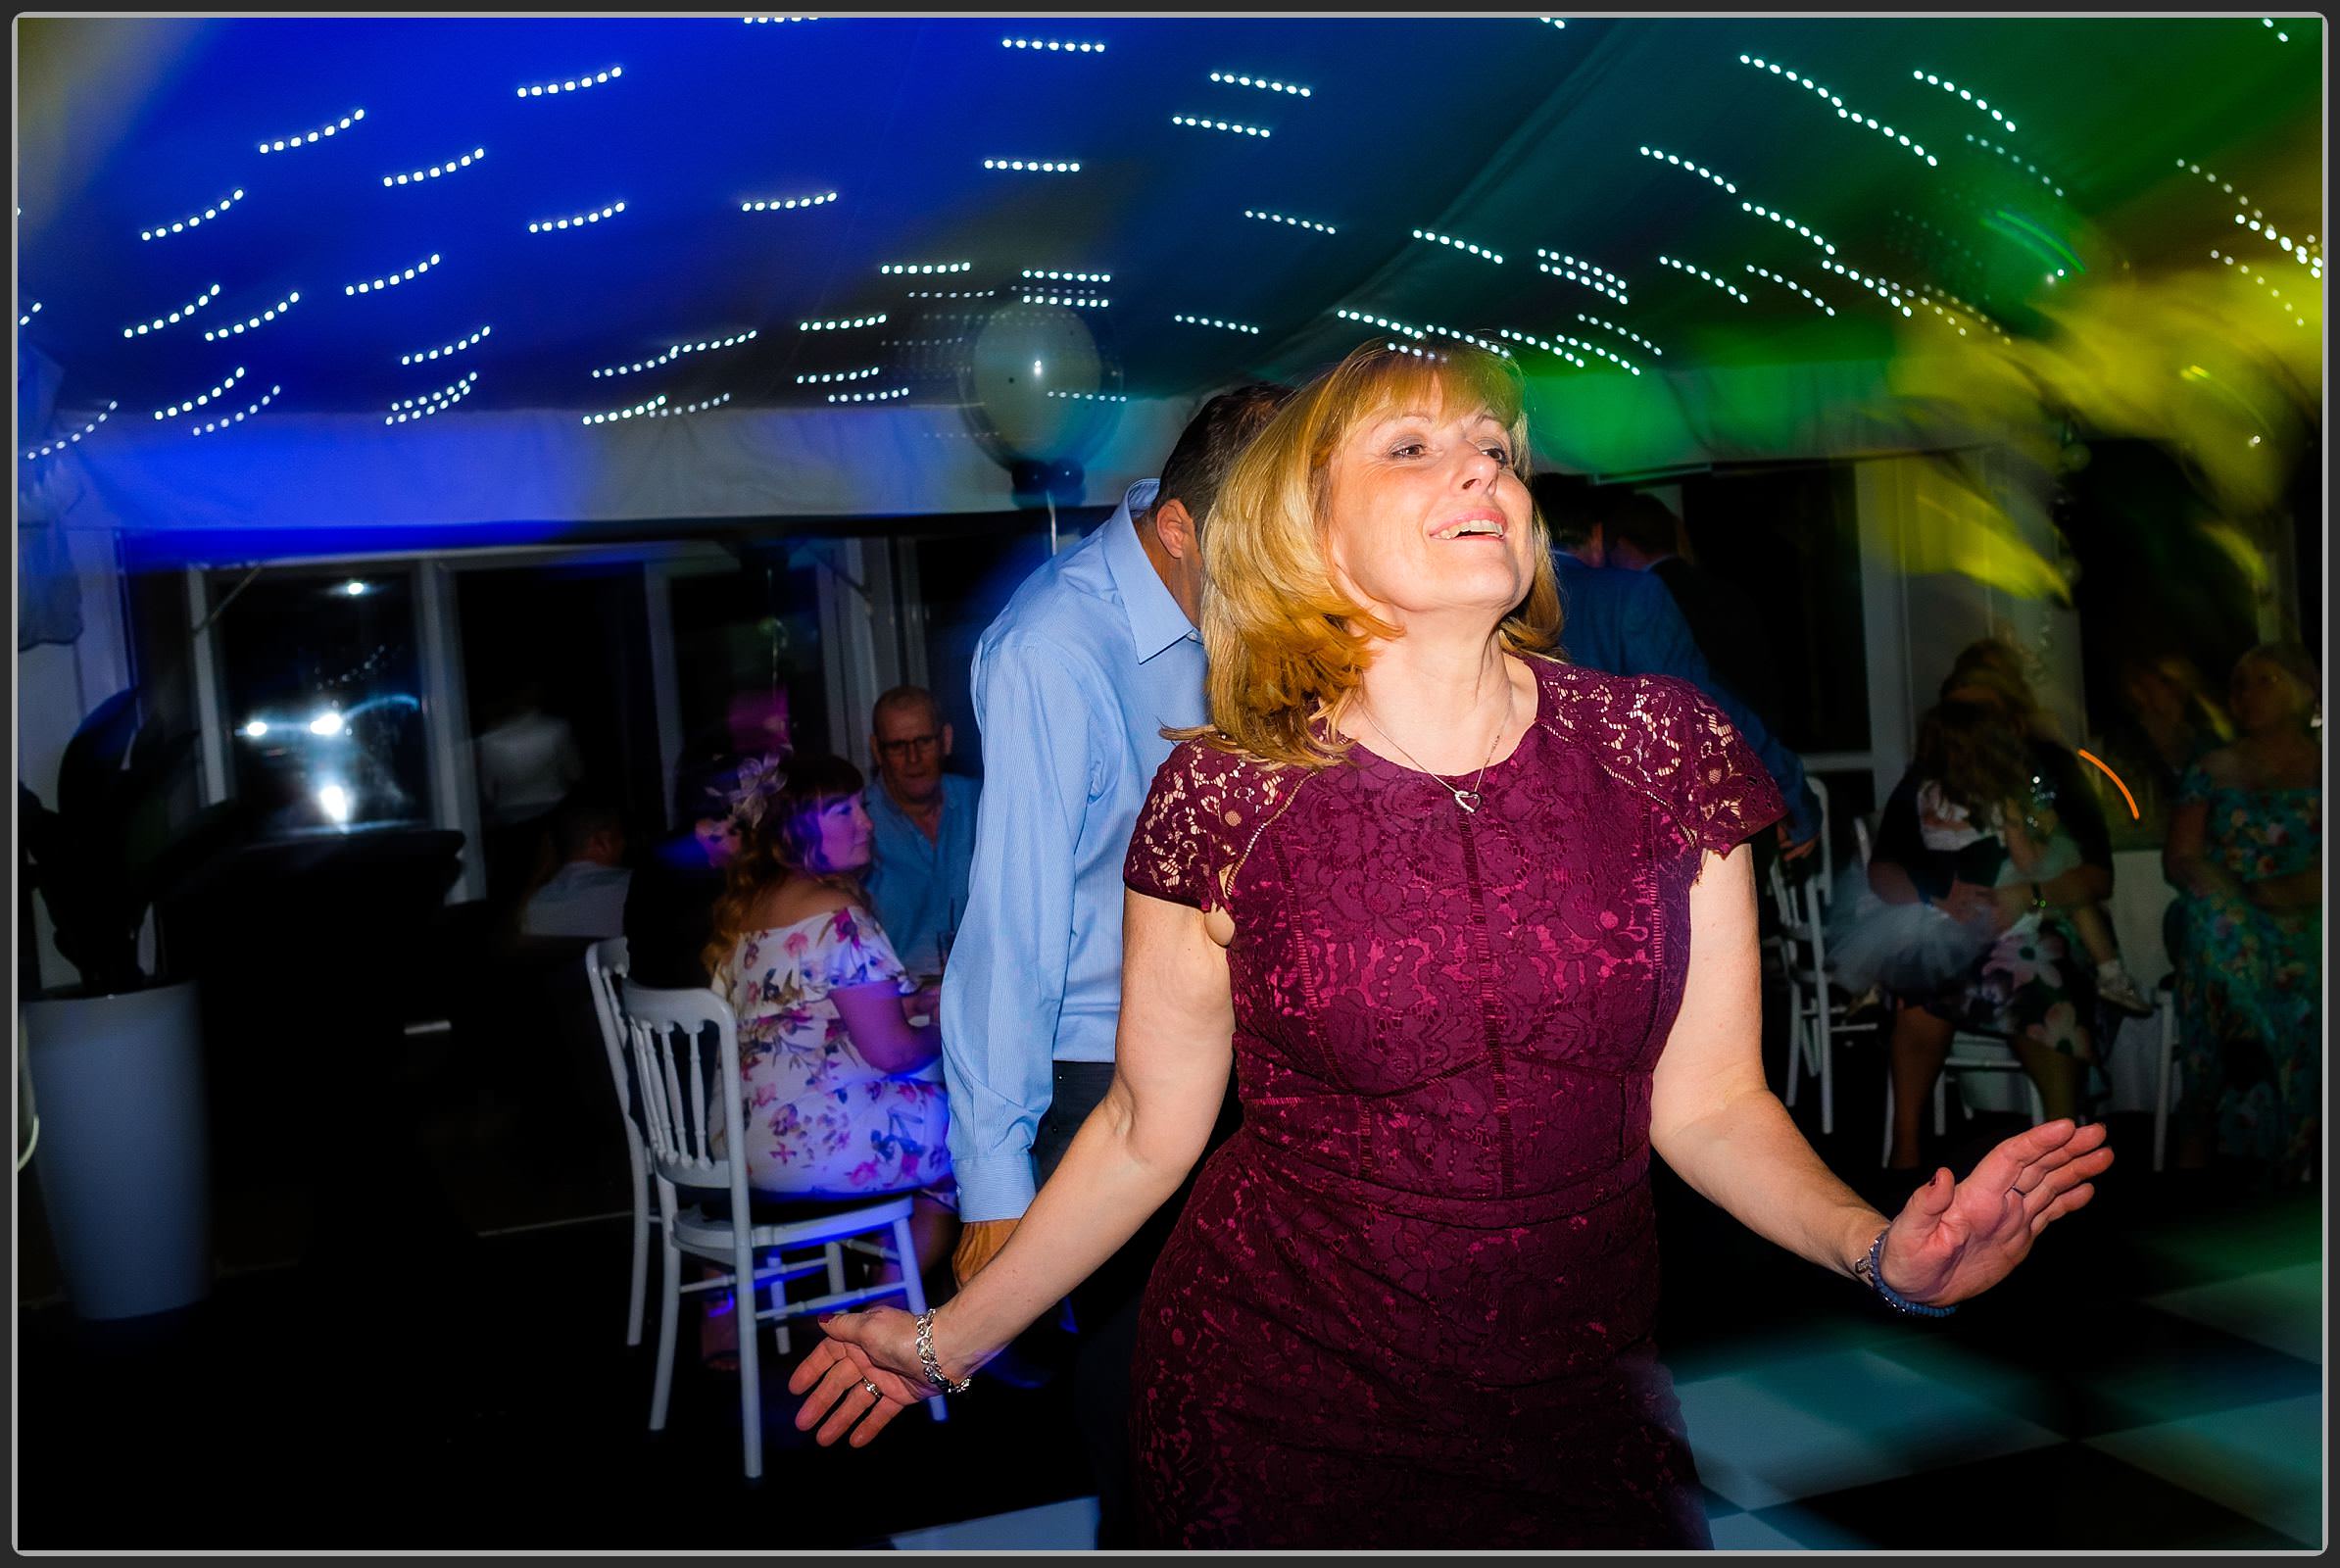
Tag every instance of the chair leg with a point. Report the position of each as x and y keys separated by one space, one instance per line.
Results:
x=1827 y=1075
x=833 y=1254
x=669 y=1309
x=750 y=1387
x=1795 y=1042
x=1941 y=1103
x=2160 y=1092
x=1886 y=1152
x=914 y=1294
x=640 y=1270
x=779 y=1258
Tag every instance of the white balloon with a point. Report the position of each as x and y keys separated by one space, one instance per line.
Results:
x=1020 y=355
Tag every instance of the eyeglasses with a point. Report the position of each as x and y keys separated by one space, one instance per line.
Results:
x=910 y=746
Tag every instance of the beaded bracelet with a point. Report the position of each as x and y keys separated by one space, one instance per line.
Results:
x=1867 y=1272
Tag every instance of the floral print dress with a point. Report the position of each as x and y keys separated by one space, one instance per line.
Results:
x=2249 y=1024
x=821 y=1122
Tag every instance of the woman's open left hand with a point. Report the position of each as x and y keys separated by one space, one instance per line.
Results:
x=1956 y=1240
x=859 y=1351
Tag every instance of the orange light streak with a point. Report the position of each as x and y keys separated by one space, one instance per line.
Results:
x=2133 y=813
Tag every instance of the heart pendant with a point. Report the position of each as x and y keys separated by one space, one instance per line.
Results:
x=1468 y=800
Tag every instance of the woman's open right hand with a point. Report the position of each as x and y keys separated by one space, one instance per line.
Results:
x=859 y=1351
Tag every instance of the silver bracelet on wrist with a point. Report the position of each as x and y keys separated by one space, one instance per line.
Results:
x=926 y=1356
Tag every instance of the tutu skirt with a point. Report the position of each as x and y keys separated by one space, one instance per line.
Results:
x=1913 y=948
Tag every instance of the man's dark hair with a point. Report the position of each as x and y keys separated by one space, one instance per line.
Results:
x=1571 y=507
x=1212 y=440
x=1645 y=522
x=576 y=823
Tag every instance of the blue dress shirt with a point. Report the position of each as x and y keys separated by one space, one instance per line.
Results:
x=1073 y=683
x=1625 y=623
x=916 y=885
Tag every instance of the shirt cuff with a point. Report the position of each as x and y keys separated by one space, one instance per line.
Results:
x=1803 y=817
x=998 y=1188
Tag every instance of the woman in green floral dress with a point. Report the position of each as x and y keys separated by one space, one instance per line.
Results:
x=2246 y=850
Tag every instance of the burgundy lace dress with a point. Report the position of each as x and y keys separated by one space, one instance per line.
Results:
x=1409 y=1303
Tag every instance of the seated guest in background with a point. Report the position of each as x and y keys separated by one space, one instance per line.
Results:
x=1625 y=623
x=846 y=1095
x=586 y=897
x=670 y=901
x=1992 y=673
x=2173 y=722
x=1996 y=667
x=1981 y=802
x=2246 y=849
x=1642 y=534
x=2173 y=707
x=2025 y=984
x=528 y=762
x=923 y=830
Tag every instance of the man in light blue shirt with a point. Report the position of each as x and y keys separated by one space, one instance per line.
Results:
x=1074 y=681
x=922 y=823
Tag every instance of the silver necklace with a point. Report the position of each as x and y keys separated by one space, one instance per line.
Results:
x=1468 y=799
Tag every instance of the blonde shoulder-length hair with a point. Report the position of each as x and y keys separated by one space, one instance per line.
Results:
x=1287 y=647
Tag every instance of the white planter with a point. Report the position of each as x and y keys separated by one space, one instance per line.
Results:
x=124 y=1157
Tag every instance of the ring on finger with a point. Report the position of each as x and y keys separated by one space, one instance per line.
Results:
x=875 y=1391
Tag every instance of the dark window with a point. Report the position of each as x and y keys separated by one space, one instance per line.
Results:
x=1786 y=539
x=747 y=653
x=575 y=641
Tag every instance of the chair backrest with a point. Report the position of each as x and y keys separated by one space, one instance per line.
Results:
x=1827 y=851
x=606 y=964
x=684 y=1075
x=1816 y=931
x=1783 y=902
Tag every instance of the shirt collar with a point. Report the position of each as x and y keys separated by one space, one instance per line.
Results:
x=1157 y=622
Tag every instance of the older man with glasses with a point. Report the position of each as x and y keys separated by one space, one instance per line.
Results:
x=924 y=822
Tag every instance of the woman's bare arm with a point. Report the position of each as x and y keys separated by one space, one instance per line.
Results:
x=1713 y=1117
x=885 y=1038
x=2186 y=857
x=1171 y=1059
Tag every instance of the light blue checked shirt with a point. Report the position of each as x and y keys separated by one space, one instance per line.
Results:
x=1073 y=683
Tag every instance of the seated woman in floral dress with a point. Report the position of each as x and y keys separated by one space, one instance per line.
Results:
x=845 y=1092
x=2246 y=849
